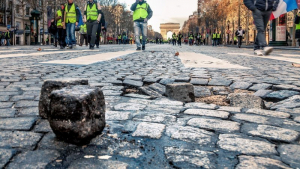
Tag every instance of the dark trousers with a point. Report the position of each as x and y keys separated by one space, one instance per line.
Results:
x=61 y=37
x=92 y=28
x=98 y=35
x=240 y=40
x=261 y=19
x=174 y=42
x=83 y=37
x=179 y=42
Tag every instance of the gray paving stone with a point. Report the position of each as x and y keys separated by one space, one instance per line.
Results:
x=245 y=145
x=289 y=103
x=150 y=80
x=183 y=92
x=215 y=124
x=134 y=77
x=211 y=113
x=5 y=156
x=281 y=95
x=34 y=159
x=166 y=81
x=261 y=86
x=240 y=85
x=96 y=164
x=117 y=115
x=270 y=132
x=32 y=111
x=50 y=142
x=245 y=100
x=4 y=98
x=259 y=162
x=22 y=123
x=22 y=97
x=19 y=139
x=269 y=113
x=190 y=158
x=297 y=119
x=197 y=81
x=4 y=105
x=161 y=89
x=219 y=82
x=251 y=118
x=262 y=93
x=200 y=106
x=289 y=154
x=155 y=118
x=150 y=92
x=139 y=96
x=230 y=109
x=286 y=87
x=129 y=107
x=42 y=126
x=133 y=83
x=201 y=91
x=151 y=130
x=133 y=153
x=22 y=104
x=167 y=102
x=7 y=112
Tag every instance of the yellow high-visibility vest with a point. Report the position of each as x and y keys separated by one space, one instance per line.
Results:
x=71 y=14
x=59 y=13
x=141 y=11
x=92 y=13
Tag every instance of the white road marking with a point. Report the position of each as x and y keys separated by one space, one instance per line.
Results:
x=190 y=59
x=90 y=59
x=36 y=54
x=281 y=58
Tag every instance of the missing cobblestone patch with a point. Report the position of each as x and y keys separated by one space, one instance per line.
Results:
x=216 y=99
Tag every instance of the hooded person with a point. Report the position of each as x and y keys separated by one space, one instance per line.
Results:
x=141 y=14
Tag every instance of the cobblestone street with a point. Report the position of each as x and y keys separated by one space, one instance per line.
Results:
x=144 y=128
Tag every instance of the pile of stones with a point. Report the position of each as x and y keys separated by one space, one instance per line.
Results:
x=75 y=110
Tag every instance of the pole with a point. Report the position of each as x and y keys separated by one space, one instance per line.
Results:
x=294 y=30
x=239 y=21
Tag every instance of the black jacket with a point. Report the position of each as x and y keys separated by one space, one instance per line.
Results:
x=149 y=10
x=262 y=5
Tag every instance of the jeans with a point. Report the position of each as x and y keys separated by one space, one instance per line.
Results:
x=92 y=28
x=7 y=42
x=140 y=27
x=261 y=19
x=215 y=42
x=3 y=42
x=71 y=34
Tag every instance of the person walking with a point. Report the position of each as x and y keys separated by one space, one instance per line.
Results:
x=174 y=39
x=191 y=39
x=92 y=17
x=119 y=39
x=7 y=37
x=179 y=38
x=142 y=13
x=101 y=29
x=240 y=34
x=214 y=39
x=297 y=22
x=61 y=31
x=218 y=38
x=71 y=19
x=83 y=35
x=261 y=11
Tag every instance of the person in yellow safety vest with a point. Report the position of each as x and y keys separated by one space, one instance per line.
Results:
x=191 y=38
x=71 y=18
x=174 y=38
x=83 y=35
x=214 y=38
x=61 y=31
x=179 y=38
x=218 y=38
x=141 y=14
x=92 y=17
x=7 y=37
x=235 y=40
x=297 y=22
x=130 y=39
x=119 y=39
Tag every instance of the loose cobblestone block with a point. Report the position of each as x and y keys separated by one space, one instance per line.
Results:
x=183 y=92
x=51 y=85
x=245 y=101
x=77 y=113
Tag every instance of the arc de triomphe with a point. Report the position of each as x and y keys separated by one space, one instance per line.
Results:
x=169 y=27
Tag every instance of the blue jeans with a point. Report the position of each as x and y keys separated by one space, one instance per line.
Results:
x=7 y=42
x=140 y=27
x=71 y=34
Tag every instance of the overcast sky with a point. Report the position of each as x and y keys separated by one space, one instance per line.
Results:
x=164 y=11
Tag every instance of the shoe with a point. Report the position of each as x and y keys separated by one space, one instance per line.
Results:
x=139 y=48
x=61 y=47
x=267 y=50
x=70 y=46
x=97 y=46
x=143 y=47
x=92 y=47
x=80 y=45
x=258 y=52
